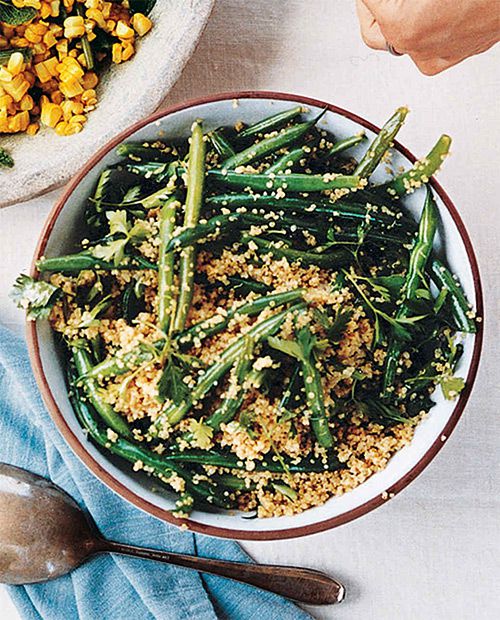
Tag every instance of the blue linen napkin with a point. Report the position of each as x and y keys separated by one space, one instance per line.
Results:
x=113 y=587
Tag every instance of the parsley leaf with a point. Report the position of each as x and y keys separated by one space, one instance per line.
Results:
x=15 y=16
x=288 y=347
x=6 y=160
x=202 y=434
x=451 y=386
x=90 y=317
x=118 y=222
x=36 y=297
x=336 y=326
x=112 y=251
x=118 y=225
x=171 y=385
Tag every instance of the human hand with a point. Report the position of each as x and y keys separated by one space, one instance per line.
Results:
x=437 y=34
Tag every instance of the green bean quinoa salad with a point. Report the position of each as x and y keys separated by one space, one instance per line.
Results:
x=249 y=318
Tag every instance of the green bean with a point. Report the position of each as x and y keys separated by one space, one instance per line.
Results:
x=381 y=144
x=271 y=123
x=311 y=207
x=134 y=453
x=286 y=161
x=208 y=327
x=238 y=220
x=244 y=285
x=74 y=263
x=346 y=143
x=144 y=152
x=335 y=258
x=304 y=352
x=461 y=308
x=237 y=483
x=244 y=376
x=119 y=364
x=111 y=418
x=195 y=185
x=157 y=171
x=84 y=42
x=214 y=226
x=421 y=171
x=270 y=145
x=269 y=463
x=315 y=404
x=166 y=264
x=294 y=182
x=418 y=259
x=156 y=199
x=221 y=144
x=173 y=414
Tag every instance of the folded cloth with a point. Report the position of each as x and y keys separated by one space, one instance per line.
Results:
x=113 y=587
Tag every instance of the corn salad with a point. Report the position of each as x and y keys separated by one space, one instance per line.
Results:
x=50 y=65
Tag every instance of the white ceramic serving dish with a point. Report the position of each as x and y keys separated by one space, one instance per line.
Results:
x=63 y=229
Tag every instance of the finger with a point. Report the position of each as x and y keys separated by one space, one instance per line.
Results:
x=435 y=65
x=370 y=30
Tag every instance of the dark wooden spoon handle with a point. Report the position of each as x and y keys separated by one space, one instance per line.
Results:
x=303 y=585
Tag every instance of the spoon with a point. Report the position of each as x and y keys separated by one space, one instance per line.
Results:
x=44 y=534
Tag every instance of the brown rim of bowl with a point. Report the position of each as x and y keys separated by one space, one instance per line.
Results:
x=165 y=515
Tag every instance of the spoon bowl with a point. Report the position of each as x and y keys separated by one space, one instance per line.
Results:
x=45 y=534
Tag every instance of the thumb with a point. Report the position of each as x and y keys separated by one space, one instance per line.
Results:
x=370 y=30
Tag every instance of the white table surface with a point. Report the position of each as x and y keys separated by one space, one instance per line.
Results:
x=432 y=552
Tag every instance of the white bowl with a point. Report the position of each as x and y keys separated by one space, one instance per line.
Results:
x=127 y=93
x=62 y=230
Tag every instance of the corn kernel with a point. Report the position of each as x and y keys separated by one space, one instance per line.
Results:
x=73 y=128
x=71 y=88
x=6 y=101
x=61 y=128
x=19 y=122
x=5 y=76
x=43 y=72
x=141 y=24
x=123 y=31
x=128 y=51
x=78 y=118
x=116 y=53
x=51 y=114
x=26 y=103
x=17 y=88
x=32 y=129
x=97 y=16
x=16 y=63
x=49 y=39
x=39 y=28
x=90 y=80
x=74 y=27
x=32 y=37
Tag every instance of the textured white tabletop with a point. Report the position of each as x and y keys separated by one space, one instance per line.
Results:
x=431 y=553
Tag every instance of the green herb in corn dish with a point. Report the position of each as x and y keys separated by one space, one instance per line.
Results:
x=252 y=321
